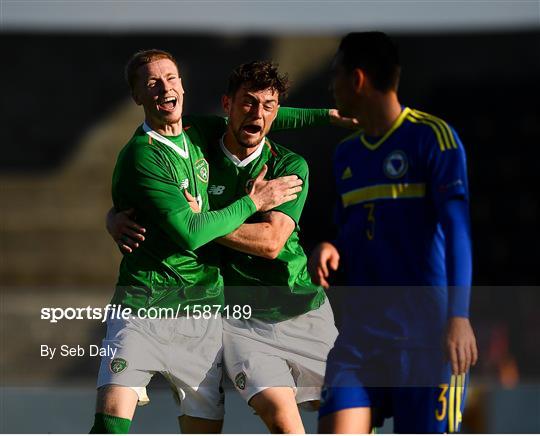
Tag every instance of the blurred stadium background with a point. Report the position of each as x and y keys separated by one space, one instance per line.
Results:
x=66 y=112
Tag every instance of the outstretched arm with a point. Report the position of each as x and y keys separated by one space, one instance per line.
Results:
x=289 y=118
x=211 y=127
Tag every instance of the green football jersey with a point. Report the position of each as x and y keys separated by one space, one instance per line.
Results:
x=170 y=269
x=150 y=176
x=276 y=289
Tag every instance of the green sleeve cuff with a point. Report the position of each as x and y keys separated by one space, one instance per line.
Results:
x=289 y=118
x=249 y=203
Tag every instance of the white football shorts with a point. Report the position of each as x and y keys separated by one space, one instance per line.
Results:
x=188 y=352
x=261 y=354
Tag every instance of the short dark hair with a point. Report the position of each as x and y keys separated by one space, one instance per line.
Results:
x=374 y=53
x=256 y=76
x=144 y=57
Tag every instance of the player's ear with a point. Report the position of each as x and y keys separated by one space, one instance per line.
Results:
x=226 y=103
x=135 y=97
x=359 y=80
x=181 y=85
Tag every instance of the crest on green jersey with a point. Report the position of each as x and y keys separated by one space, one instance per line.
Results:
x=240 y=380
x=118 y=365
x=202 y=170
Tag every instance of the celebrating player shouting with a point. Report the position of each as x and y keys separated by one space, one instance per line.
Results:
x=153 y=170
x=276 y=359
x=404 y=243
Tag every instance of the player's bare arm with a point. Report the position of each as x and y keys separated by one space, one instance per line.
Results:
x=124 y=231
x=289 y=118
x=461 y=345
x=338 y=120
x=324 y=257
x=265 y=194
x=265 y=239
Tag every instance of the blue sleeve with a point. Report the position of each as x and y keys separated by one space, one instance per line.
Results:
x=447 y=167
x=454 y=219
x=447 y=170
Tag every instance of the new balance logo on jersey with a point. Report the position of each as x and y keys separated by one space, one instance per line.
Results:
x=184 y=184
x=216 y=189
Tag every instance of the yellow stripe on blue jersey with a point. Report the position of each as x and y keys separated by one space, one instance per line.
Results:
x=446 y=127
x=397 y=123
x=447 y=132
x=360 y=133
x=452 y=405
x=434 y=127
x=353 y=135
x=444 y=135
x=460 y=389
x=384 y=192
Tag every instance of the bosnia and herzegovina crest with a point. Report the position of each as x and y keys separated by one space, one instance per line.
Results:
x=395 y=165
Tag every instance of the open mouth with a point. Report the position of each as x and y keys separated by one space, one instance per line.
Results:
x=252 y=129
x=167 y=104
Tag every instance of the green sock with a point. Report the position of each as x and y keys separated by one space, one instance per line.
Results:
x=110 y=424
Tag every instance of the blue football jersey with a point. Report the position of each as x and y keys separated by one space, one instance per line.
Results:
x=389 y=234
